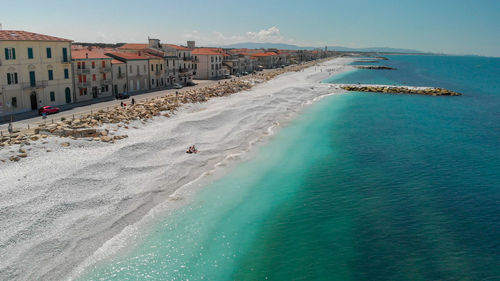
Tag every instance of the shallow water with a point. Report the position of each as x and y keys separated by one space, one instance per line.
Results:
x=359 y=187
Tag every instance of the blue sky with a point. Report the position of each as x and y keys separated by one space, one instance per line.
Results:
x=445 y=26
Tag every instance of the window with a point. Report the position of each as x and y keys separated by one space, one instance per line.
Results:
x=80 y=78
x=104 y=76
x=52 y=96
x=103 y=64
x=65 y=54
x=152 y=82
x=106 y=88
x=212 y=58
x=30 y=53
x=130 y=69
x=84 y=78
x=12 y=78
x=79 y=64
x=81 y=91
x=93 y=64
x=161 y=66
x=10 y=53
x=138 y=72
x=93 y=77
x=14 y=102
x=49 y=53
x=83 y=65
x=51 y=74
x=212 y=67
x=152 y=67
x=66 y=73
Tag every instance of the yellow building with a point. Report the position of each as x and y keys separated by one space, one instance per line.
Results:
x=35 y=71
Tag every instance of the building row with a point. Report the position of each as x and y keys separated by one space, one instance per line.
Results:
x=38 y=70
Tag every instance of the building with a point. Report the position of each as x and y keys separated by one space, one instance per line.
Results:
x=209 y=63
x=35 y=71
x=267 y=59
x=184 y=67
x=92 y=74
x=119 y=73
x=137 y=70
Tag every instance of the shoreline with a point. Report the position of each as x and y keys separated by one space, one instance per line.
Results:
x=115 y=186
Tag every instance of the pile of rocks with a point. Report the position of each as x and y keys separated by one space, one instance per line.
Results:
x=400 y=90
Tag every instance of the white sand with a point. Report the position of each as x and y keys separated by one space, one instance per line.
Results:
x=58 y=208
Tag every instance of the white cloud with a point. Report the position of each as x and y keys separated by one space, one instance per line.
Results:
x=271 y=34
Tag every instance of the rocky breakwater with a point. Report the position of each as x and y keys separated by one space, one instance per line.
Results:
x=378 y=67
x=90 y=126
x=430 y=91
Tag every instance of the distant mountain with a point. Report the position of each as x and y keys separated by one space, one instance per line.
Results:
x=252 y=45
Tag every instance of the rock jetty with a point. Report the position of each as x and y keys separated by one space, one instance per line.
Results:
x=430 y=91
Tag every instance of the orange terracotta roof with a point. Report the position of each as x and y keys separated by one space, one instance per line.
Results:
x=177 y=47
x=92 y=54
x=206 y=51
x=134 y=46
x=127 y=56
x=19 y=35
x=267 y=54
x=115 y=61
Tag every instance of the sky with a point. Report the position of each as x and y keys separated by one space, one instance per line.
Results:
x=440 y=26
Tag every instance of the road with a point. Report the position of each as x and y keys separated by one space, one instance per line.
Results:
x=30 y=123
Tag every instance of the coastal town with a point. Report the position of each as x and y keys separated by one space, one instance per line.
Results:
x=40 y=71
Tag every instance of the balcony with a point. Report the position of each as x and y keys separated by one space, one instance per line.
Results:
x=106 y=69
x=83 y=71
x=36 y=85
x=192 y=59
x=84 y=84
x=106 y=82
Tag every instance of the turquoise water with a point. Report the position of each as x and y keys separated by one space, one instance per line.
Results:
x=360 y=187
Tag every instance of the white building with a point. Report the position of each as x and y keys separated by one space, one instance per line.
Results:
x=35 y=71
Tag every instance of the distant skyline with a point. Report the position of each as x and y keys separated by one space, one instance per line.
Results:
x=439 y=26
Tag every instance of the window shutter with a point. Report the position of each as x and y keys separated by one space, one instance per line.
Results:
x=8 y=78
x=13 y=53
x=6 y=53
x=15 y=77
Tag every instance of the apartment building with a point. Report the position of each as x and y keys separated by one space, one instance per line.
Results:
x=267 y=59
x=35 y=71
x=119 y=74
x=209 y=63
x=92 y=74
x=137 y=66
x=184 y=66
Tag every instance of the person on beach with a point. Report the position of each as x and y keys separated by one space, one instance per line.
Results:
x=121 y=104
x=133 y=101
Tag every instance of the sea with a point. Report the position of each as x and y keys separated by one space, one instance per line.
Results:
x=360 y=186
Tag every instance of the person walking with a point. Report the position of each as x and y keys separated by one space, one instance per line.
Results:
x=133 y=101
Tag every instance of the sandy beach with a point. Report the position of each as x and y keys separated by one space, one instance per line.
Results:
x=62 y=204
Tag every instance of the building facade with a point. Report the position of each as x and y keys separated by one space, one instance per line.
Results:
x=35 y=71
x=209 y=63
x=137 y=67
x=92 y=74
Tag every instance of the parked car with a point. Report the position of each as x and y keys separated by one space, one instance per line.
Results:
x=122 y=96
x=227 y=76
x=191 y=83
x=245 y=73
x=177 y=86
x=48 y=110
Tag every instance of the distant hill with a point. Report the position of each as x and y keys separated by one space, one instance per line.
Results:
x=252 y=45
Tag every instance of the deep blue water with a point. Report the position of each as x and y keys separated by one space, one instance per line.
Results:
x=362 y=186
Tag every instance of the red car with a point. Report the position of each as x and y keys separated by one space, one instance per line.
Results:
x=48 y=110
